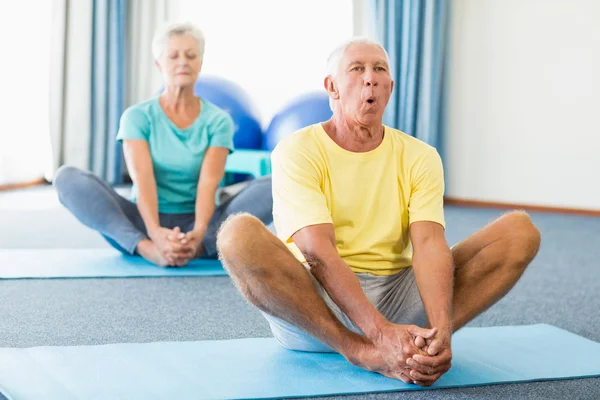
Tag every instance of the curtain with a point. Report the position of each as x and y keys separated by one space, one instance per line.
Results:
x=107 y=88
x=70 y=83
x=101 y=63
x=143 y=80
x=143 y=19
x=413 y=33
x=87 y=85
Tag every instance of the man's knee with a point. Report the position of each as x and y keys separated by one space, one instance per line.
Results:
x=236 y=230
x=525 y=238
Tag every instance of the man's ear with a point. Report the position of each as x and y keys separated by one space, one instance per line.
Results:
x=331 y=88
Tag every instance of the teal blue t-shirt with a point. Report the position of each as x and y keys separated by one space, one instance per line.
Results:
x=177 y=154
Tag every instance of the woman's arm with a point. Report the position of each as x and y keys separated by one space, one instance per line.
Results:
x=139 y=164
x=211 y=175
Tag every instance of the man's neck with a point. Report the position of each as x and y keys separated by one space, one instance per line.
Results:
x=353 y=136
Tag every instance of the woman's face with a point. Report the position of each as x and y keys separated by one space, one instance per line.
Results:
x=180 y=62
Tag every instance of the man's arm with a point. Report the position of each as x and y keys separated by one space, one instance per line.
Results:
x=434 y=272
x=394 y=343
x=317 y=244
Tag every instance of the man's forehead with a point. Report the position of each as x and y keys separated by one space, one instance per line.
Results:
x=363 y=54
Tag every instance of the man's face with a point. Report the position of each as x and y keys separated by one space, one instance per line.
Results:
x=363 y=84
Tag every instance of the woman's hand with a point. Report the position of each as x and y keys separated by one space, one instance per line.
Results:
x=194 y=240
x=172 y=245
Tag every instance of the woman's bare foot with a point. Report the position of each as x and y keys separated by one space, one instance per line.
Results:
x=147 y=249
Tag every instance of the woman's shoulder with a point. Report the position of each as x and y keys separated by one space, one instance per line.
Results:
x=213 y=113
x=146 y=107
x=140 y=114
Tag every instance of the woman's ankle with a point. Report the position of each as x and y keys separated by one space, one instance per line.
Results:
x=148 y=250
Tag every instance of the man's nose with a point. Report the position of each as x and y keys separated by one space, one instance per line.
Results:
x=370 y=79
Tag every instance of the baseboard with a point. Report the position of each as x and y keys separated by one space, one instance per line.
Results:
x=21 y=185
x=447 y=200
x=525 y=207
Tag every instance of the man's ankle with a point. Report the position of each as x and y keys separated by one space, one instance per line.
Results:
x=354 y=346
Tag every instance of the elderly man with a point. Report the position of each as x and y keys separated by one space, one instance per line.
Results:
x=361 y=265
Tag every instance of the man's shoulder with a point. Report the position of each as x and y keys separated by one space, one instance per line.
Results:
x=408 y=140
x=301 y=141
x=411 y=146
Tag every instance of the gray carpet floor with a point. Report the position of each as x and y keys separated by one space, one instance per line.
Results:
x=561 y=288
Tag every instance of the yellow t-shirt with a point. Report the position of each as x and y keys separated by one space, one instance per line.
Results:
x=371 y=198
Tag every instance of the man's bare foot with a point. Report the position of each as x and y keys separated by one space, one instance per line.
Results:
x=150 y=252
x=367 y=356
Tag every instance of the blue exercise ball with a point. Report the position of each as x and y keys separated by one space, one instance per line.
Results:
x=234 y=100
x=308 y=109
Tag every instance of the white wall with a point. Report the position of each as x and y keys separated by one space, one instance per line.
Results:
x=524 y=102
x=276 y=50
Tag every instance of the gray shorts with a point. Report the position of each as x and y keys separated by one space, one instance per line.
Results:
x=395 y=296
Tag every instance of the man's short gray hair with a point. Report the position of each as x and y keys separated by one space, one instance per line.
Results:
x=335 y=57
x=163 y=34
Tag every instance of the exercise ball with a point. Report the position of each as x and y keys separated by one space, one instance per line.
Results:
x=308 y=109
x=234 y=100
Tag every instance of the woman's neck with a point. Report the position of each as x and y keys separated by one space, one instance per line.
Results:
x=179 y=99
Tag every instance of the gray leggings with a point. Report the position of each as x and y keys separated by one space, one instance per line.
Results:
x=98 y=206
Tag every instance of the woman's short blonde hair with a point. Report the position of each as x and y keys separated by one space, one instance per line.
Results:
x=163 y=34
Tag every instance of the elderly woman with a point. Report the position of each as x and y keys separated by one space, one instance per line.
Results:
x=175 y=147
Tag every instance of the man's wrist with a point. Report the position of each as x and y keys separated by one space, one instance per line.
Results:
x=353 y=348
x=375 y=327
x=444 y=326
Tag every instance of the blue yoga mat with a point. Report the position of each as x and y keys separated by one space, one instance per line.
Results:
x=261 y=368
x=92 y=263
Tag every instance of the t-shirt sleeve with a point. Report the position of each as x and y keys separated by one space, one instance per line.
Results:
x=298 y=200
x=427 y=189
x=134 y=124
x=221 y=132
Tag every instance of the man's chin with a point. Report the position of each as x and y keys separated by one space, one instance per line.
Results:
x=371 y=119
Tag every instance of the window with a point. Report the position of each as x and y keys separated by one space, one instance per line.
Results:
x=24 y=137
x=276 y=50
